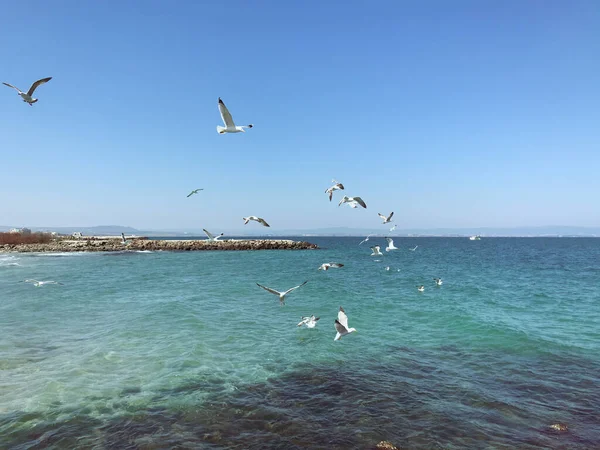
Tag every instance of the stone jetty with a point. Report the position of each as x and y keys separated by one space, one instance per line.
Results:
x=114 y=244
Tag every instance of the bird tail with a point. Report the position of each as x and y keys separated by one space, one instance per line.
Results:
x=220 y=129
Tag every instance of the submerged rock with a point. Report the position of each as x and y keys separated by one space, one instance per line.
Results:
x=385 y=445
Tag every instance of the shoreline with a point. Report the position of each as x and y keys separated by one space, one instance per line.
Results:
x=95 y=244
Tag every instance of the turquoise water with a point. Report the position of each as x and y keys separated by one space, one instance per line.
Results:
x=183 y=350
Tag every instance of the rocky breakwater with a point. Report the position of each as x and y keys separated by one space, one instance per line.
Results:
x=113 y=245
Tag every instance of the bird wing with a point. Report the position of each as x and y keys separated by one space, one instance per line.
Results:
x=342 y=318
x=272 y=291
x=382 y=216
x=340 y=328
x=390 y=241
x=336 y=264
x=330 y=191
x=208 y=233
x=390 y=216
x=225 y=115
x=340 y=186
x=191 y=193
x=294 y=288
x=304 y=320
x=36 y=84
x=264 y=222
x=343 y=200
x=14 y=87
x=360 y=202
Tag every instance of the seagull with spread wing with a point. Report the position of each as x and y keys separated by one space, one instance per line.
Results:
x=37 y=283
x=27 y=96
x=387 y=219
x=230 y=126
x=335 y=187
x=341 y=325
x=326 y=266
x=310 y=322
x=281 y=294
x=256 y=219
x=390 y=245
x=211 y=237
x=352 y=201
x=195 y=191
x=376 y=250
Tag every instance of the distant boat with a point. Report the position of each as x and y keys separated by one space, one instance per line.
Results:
x=475 y=238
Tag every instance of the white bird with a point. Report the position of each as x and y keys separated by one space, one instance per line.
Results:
x=376 y=251
x=387 y=268
x=256 y=219
x=335 y=187
x=310 y=322
x=387 y=219
x=37 y=283
x=438 y=281
x=390 y=245
x=27 y=96
x=123 y=240
x=195 y=191
x=393 y=228
x=281 y=294
x=211 y=237
x=365 y=239
x=420 y=288
x=228 y=121
x=353 y=201
x=341 y=325
x=326 y=266
x=413 y=249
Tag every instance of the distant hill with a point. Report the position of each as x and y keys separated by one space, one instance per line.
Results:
x=116 y=230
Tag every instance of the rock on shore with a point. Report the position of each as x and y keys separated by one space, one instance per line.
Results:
x=112 y=245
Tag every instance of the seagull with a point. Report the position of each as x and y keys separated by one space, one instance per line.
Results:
x=211 y=237
x=257 y=219
x=27 y=96
x=281 y=294
x=326 y=266
x=335 y=187
x=413 y=249
x=353 y=201
x=438 y=281
x=387 y=219
x=228 y=121
x=376 y=251
x=393 y=228
x=366 y=239
x=390 y=245
x=341 y=325
x=310 y=322
x=420 y=288
x=37 y=283
x=195 y=191
x=387 y=268
x=123 y=240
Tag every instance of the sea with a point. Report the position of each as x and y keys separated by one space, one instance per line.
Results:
x=182 y=350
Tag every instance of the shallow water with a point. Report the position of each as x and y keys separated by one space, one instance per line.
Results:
x=183 y=350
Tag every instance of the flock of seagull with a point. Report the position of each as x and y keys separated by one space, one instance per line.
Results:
x=341 y=323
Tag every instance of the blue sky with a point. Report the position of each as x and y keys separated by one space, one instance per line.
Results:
x=450 y=114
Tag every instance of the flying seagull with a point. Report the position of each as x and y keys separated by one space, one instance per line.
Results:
x=438 y=281
x=228 y=121
x=27 y=96
x=387 y=219
x=413 y=249
x=310 y=322
x=341 y=325
x=365 y=239
x=420 y=288
x=326 y=266
x=211 y=237
x=353 y=201
x=195 y=191
x=376 y=251
x=123 y=240
x=393 y=228
x=335 y=187
x=256 y=219
x=37 y=283
x=390 y=245
x=281 y=294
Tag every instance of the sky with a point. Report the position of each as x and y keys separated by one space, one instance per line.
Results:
x=451 y=114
